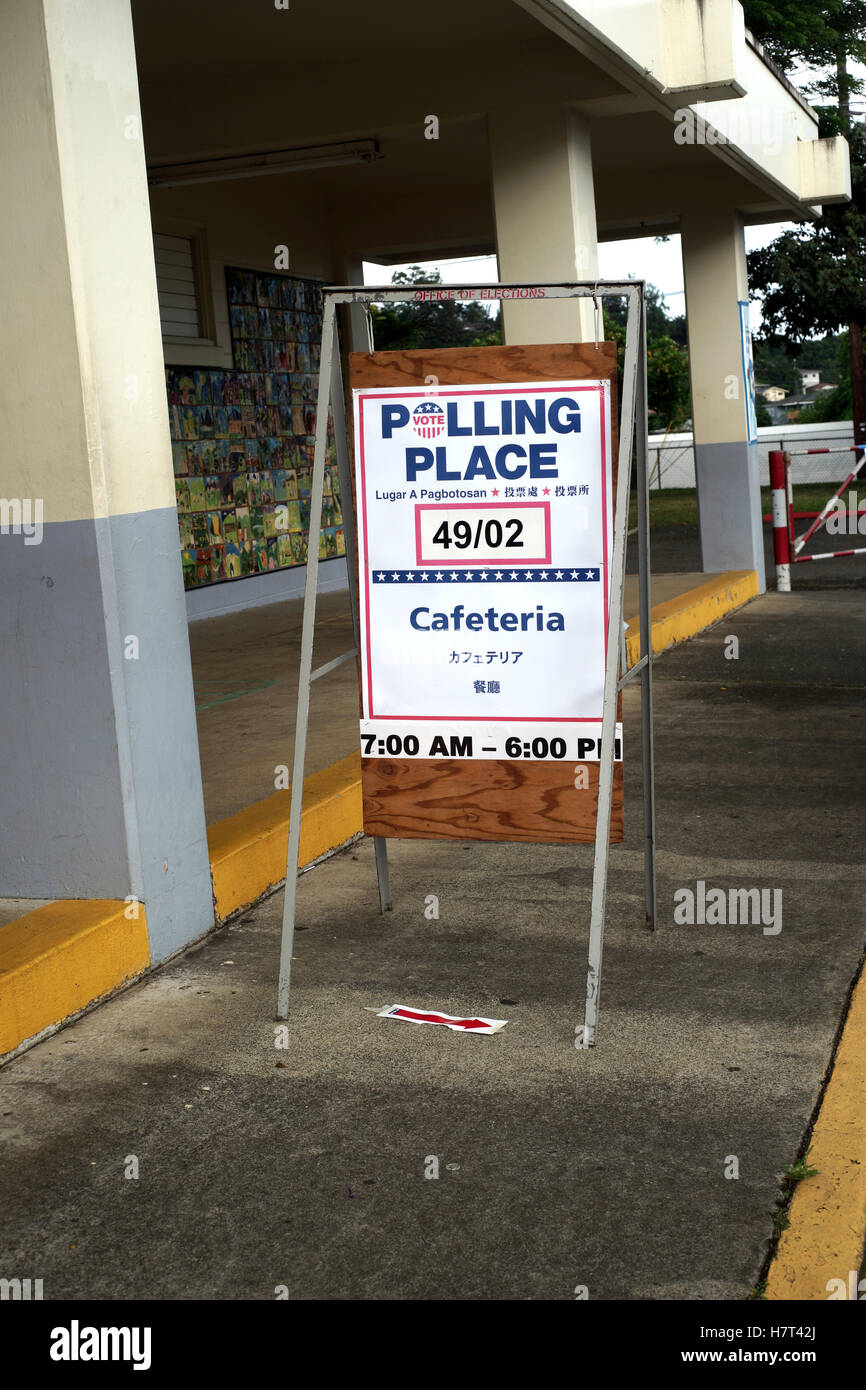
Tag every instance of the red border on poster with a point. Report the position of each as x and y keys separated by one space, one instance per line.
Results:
x=452 y=562
x=374 y=394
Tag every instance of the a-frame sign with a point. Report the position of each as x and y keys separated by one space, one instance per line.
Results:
x=486 y=521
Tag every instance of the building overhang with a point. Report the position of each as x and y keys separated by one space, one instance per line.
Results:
x=681 y=50
x=695 y=62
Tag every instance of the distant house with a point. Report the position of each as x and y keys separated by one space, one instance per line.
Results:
x=794 y=404
x=773 y=393
x=809 y=377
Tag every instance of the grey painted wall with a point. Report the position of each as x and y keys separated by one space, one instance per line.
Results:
x=61 y=799
x=729 y=508
x=100 y=784
x=174 y=867
x=212 y=600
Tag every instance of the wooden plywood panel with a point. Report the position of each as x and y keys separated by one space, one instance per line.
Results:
x=432 y=798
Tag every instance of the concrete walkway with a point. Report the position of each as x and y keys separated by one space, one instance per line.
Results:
x=305 y=1166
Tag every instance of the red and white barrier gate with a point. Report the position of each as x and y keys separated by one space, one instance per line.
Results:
x=781 y=523
x=787 y=547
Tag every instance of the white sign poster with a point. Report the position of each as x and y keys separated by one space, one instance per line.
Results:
x=748 y=373
x=485 y=541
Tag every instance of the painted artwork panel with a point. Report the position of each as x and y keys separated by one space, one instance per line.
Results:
x=242 y=438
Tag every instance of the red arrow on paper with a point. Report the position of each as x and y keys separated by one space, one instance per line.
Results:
x=440 y=1018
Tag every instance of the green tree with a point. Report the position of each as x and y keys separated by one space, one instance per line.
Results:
x=432 y=324
x=775 y=363
x=778 y=362
x=812 y=278
x=833 y=405
x=667 y=366
x=668 y=388
x=808 y=29
x=658 y=324
x=824 y=353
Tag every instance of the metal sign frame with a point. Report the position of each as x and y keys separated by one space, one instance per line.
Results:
x=633 y=426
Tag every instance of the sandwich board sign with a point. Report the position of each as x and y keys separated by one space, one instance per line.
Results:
x=490 y=543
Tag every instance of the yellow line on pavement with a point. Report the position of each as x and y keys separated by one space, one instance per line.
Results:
x=820 y=1254
x=689 y=613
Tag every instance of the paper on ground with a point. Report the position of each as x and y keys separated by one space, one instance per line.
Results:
x=458 y=1025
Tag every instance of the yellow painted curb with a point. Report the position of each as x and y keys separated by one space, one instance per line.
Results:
x=248 y=850
x=826 y=1238
x=60 y=958
x=689 y=613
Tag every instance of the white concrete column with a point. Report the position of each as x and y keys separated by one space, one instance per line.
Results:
x=544 y=203
x=355 y=324
x=726 y=461
x=100 y=795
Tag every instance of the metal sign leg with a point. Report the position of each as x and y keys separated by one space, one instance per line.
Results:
x=344 y=473
x=317 y=482
x=348 y=507
x=382 y=873
x=646 y=675
x=585 y=1037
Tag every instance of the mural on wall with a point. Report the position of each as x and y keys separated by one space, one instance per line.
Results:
x=243 y=439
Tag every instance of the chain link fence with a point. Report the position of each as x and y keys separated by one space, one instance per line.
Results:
x=672 y=456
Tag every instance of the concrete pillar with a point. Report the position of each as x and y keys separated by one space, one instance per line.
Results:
x=726 y=461
x=100 y=789
x=544 y=204
x=354 y=324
